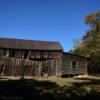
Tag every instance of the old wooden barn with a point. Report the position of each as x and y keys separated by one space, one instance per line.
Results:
x=30 y=58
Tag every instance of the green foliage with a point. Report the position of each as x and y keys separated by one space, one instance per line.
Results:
x=90 y=46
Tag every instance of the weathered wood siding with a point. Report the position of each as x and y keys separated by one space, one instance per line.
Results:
x=32 y=62
x=81 y=65
x=29 y=62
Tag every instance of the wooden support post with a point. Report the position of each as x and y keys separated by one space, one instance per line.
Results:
x=52 y=66
x=3 y=70
x=56 y=66
x=22 y=69
x=39 y=69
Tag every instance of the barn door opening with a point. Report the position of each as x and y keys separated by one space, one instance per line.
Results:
x=45 y=71
x=42 y=69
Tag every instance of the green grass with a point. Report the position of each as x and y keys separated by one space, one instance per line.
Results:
x=52 y=88
x=69 y=81
x=65 y=81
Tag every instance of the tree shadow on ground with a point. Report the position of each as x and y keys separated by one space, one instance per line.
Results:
x=28 y=89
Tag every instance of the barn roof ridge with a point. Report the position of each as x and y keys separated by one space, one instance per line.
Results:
x=20 y=39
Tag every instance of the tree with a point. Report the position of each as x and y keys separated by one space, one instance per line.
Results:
x=90 y=46
x=92 y=37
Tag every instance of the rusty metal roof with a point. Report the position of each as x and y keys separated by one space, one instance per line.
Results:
x=29 y=44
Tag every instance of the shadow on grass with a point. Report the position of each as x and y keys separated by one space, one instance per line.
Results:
x=33 y=89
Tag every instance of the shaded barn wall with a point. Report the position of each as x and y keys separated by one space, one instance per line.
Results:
x=29 y=63
x=72 y=64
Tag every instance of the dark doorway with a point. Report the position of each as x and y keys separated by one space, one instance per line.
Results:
x=45 y=71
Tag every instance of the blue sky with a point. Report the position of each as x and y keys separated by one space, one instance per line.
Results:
x=49 y=20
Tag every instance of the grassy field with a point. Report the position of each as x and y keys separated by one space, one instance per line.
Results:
x=52 y=88
x=69 y=81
